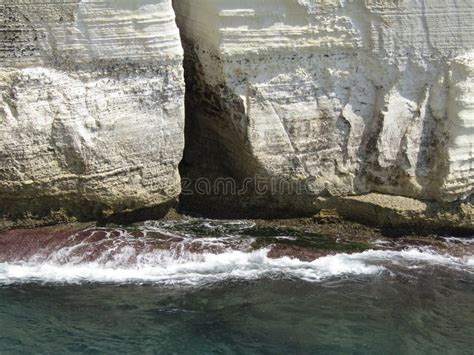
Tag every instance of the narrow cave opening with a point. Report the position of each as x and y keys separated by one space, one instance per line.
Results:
x=220 y=173
x=208 y=170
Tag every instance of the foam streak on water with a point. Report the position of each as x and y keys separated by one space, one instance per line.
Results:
x=197 y=269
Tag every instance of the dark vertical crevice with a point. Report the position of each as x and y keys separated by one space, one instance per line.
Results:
x=218 y=169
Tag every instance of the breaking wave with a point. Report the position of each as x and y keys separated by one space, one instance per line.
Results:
x=156 y=255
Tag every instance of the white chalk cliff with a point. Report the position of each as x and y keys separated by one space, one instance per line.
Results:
x=91 y=105
x=356 y=96
x=346 y=97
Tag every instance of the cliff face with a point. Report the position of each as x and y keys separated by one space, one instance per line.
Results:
x=322 y=97
x=91 y=106
x=348 y=97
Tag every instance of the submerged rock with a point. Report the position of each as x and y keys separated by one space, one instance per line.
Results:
x=91 y=106
x=167 y=245
x=295 y=252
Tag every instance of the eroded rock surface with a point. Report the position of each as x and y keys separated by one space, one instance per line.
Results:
x=317 y=99
x=91 y=106
x=347 y=97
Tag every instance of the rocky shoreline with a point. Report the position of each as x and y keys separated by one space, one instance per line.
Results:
x=305 y=239
x=395 y=214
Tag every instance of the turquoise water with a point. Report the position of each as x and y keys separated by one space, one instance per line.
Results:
x=213 y=294
x=430 y=314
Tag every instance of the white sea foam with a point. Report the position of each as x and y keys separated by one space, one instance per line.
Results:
x=164 y=267
x=454 y=240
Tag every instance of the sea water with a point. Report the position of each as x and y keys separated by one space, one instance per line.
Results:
x=210 y=287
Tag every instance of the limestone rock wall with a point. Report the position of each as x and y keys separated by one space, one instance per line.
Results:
x=343 y=97
x=91 y=105
x=354 y=96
